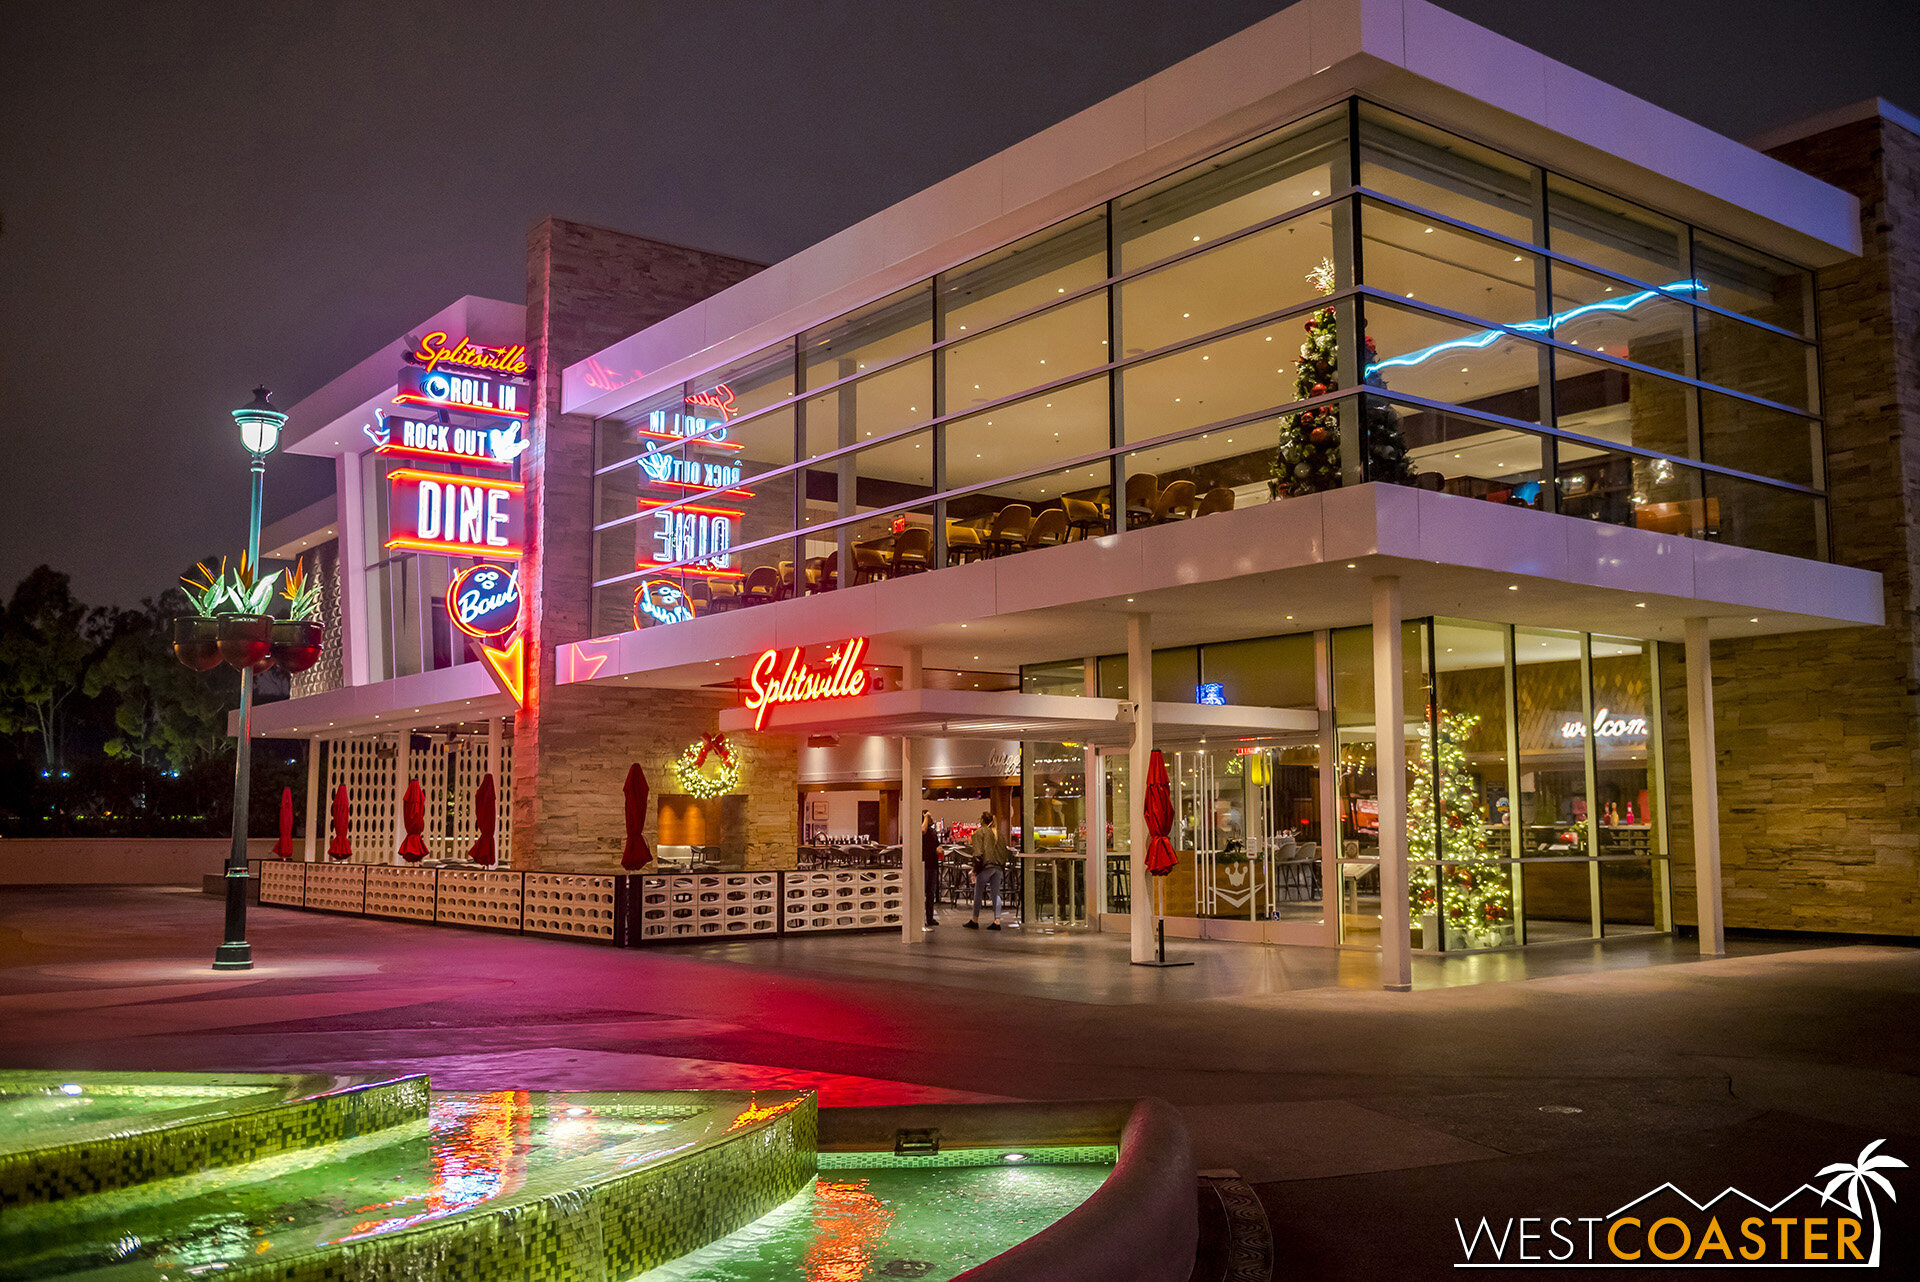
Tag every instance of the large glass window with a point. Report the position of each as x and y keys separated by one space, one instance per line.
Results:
x=1254 y=275
x=1053 y=345
x=1615 y=234
x=1027 y=274
x=1435 y=170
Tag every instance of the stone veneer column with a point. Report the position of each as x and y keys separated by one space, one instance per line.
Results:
x=588 y=287
x=1819 y=733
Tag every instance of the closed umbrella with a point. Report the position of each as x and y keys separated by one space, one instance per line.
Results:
x=1159 y=805
x=340 y=847
x=284 y=846
x=636 y=855
x=484 y=818
x=413 y=813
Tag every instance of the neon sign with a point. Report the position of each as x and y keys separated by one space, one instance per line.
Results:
x=434 y=351
x=1606 y=726
x=455 y=515
x=508 y=665
x=699 y=537
x=1212 y=693
x=449 y=442
x=841 y=678
x=473 y=393
x=660 y=601
x=1545 y=325
x=484 y=600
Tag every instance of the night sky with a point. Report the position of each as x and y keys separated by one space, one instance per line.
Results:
x=201 y=196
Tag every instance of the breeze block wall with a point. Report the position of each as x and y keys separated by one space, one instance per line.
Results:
x=1818 y=734
x=588 y=287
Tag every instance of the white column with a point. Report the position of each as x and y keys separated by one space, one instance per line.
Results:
x=912 y=930
x=1140 y=691
x=313 y=798
x=1706 y=790
x=351 y=511
x=1390 y=769
x=1094 y=808
x=402 y=770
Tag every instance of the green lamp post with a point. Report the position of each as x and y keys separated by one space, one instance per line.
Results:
x=259 y=425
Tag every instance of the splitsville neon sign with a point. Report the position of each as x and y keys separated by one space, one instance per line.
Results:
x=1606 y=726
x=455 y=515
x=435 y=350
x=474 y=393
x=841 y=677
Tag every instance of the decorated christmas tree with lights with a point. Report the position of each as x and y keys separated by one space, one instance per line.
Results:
x=1460 y=882
x=1308 y=460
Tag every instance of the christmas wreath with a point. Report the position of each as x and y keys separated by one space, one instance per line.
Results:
x=696 y=780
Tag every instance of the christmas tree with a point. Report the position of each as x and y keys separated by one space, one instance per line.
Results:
x=1460 y=881
x=1309 y=457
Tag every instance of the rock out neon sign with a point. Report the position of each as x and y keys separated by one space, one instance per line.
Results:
x=841 y=677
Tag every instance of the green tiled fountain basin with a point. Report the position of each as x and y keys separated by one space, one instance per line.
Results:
x=65 y=1136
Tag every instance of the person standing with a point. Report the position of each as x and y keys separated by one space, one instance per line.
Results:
x=989 y=869
x=930 y=862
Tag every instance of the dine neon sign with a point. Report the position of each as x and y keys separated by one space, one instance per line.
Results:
x=842 y=677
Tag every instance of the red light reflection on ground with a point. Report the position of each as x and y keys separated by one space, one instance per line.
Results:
x=849 y=1223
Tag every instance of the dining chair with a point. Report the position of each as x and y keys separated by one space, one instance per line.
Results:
x=724 y=594
x=786 y=589
x=1217 y=499
x=1143 y=488
x=1011 y=525
x=1084 y=520
x=823 y=573
x=870 y=562
x=1049 y=528
x=762 y=582
x=963 y=544
x=912 y=550
x=1175 y=503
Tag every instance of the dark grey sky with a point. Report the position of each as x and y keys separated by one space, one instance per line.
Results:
x=199 y=196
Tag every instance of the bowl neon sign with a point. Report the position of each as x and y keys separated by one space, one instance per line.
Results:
x=484 y=601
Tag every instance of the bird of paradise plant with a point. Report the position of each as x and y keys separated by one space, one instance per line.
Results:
x=302 y=593
x=249 y=593
x=207 y=592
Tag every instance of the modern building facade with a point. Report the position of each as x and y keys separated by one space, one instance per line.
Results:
x=1415 y=440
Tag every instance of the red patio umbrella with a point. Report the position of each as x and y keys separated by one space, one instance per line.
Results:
x=481 y=851
x=284 y=846
x=636 y=855
x=340 y=847
x=1159 y=805
x=413 y=813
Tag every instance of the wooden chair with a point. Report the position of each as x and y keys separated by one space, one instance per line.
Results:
x=1174 y=504
x=912 y=550
x=1011 y=524
x=1143 y=489
x=1689 y=518
x=964 y=544
x=1049 y=528
x=1217 y=499
x=762 y=585
x=1084 y=519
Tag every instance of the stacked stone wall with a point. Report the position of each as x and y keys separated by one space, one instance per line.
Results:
x=1818 y=734
x=588 y=287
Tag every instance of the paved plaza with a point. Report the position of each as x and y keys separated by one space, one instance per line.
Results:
x=1366 y=1120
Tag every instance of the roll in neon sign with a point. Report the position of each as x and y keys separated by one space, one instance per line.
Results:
x=474 y=393
x=841 y=677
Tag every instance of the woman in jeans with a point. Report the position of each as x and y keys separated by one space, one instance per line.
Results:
x=930 y=862
x=989 y=869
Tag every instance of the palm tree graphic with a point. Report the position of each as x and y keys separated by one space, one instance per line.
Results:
x=1856 y=1177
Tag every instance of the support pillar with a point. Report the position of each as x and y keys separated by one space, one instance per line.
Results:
x=1390 y=769
x=402 y=771
x=1706 y=790
x=912 y=927
x=495 y=727
x=1140 y=691
x=313 y=800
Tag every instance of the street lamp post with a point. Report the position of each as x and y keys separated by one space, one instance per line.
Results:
x=259 y=425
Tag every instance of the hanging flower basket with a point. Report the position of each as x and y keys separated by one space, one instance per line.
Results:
x=246 y=641
x=196 y=642
x=297 y=643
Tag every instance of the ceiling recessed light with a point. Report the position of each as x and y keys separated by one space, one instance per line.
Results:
x=1639 y=605
x=1753 y=620
x=1513 y=587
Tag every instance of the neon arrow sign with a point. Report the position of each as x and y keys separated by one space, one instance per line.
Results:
x=841 y=678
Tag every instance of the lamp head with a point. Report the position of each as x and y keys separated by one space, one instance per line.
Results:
x=259 y=423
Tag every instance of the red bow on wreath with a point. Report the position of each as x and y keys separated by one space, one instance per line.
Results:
x=716 y=743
